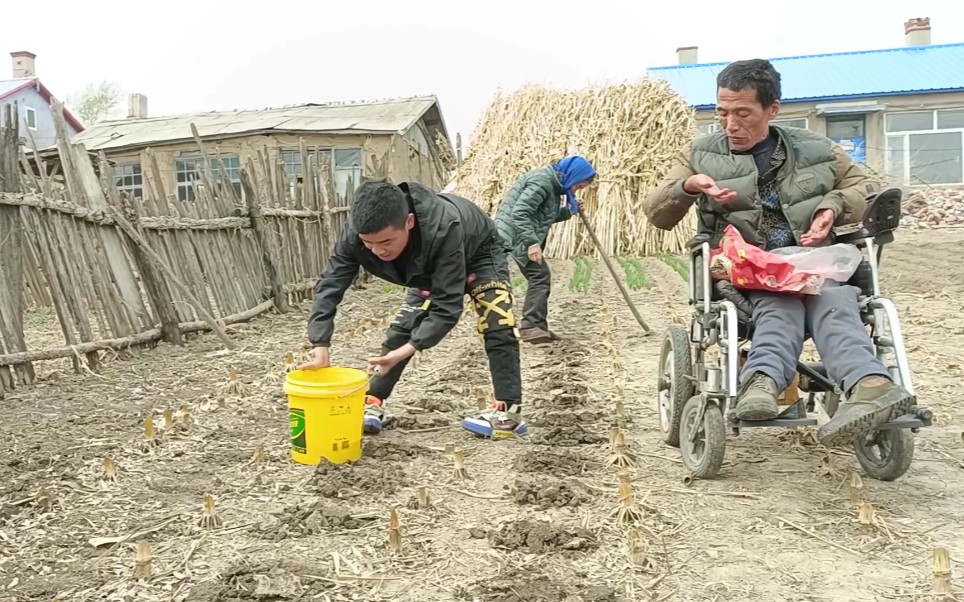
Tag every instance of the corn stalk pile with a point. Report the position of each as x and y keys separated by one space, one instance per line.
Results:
x=631 y=134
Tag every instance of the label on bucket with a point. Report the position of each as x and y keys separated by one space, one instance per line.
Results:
x=339 y=409
x=297 y=419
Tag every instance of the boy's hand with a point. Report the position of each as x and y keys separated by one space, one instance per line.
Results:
x=535 y=253
x=382 y=364
x=320 y=358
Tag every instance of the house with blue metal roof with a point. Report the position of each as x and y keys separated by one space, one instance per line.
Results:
x=899 y=110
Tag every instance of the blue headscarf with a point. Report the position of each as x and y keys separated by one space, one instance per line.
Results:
x=573 y=170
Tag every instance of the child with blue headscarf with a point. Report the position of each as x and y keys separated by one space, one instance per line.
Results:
x=532 y=205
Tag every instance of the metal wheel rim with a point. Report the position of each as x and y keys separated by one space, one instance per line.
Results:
x=878 y=451
x=695 y=449
x=666 y=395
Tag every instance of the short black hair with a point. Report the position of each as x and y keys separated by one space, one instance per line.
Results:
x=378 y=204
x=757 y=74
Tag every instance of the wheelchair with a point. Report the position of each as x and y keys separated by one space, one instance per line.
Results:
x=697 y=392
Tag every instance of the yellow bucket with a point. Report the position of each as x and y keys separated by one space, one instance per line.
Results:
x=326 y=408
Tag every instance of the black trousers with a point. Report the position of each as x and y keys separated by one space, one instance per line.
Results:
x=489 y=285
x=535 y=308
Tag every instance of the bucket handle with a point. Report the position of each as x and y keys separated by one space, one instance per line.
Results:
x=368 y=381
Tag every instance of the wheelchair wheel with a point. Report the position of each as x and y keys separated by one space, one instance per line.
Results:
x=675 y=382
x=702 y=442
x=885 y=455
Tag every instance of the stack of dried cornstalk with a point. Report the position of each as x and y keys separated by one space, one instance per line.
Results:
x=630 y=133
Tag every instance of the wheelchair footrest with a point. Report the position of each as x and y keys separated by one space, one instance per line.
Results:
x=778 y=422
x=917 y=417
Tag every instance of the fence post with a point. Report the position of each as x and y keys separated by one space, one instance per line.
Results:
x=157 y=289
x=11 y=253
x=266 y=242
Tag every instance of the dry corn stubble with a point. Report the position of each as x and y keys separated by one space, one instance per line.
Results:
x=142 y=560
x=209 y=518
x=151 y=439
x=46 y=499
x=621 y=455
x=458 y=459
x=394 y=532
x=637 y=548
x=234 y=387
x=631 y=134
x=110 y=469
x=628 y=511
x=941 y=571
x=423 y=498
x=260 y=455
x=867 y=517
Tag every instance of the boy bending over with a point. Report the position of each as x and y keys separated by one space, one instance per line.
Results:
x=442 y=247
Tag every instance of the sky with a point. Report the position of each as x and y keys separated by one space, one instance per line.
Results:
x=199 y=56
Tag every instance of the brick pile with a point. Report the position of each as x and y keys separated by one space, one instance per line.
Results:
x=934 y=207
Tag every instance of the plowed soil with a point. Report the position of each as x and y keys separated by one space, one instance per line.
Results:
x=530 y=520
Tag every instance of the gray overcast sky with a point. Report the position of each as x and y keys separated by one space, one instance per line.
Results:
x=199 y=55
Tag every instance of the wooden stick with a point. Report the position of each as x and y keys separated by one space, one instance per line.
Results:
x=142 y=338
x=110 y=239
x=612 y=270
x=266 y=242
x=11 y=253
x=818 y=536
x=137 y=239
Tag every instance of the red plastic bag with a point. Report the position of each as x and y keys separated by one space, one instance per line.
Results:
x=750 y=267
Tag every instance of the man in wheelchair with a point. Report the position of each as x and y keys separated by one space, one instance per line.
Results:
x=783 y=187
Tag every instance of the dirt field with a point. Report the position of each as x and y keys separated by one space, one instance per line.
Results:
x=533 y=522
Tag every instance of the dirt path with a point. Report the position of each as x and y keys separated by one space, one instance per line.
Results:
x=534 y=521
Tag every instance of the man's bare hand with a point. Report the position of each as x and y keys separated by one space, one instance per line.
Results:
x=702 y=183
x=819 y=229
x=320 y=358
x=535 y=253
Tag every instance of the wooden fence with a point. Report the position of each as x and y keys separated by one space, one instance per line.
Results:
x=120 y=272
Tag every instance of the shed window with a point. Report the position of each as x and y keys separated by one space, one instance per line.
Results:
x=130 y=179
x=188 y=167
x=30 y=117
x=293 y=162
x=347 y=174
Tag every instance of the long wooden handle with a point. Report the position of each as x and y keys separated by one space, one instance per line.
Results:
x=612 y=270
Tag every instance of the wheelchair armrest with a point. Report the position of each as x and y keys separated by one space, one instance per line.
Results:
x=880 y=219
x=697 y=241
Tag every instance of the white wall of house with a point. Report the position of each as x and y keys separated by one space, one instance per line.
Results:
x=37 y=117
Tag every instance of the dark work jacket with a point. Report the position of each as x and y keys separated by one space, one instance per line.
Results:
x=451 y=230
